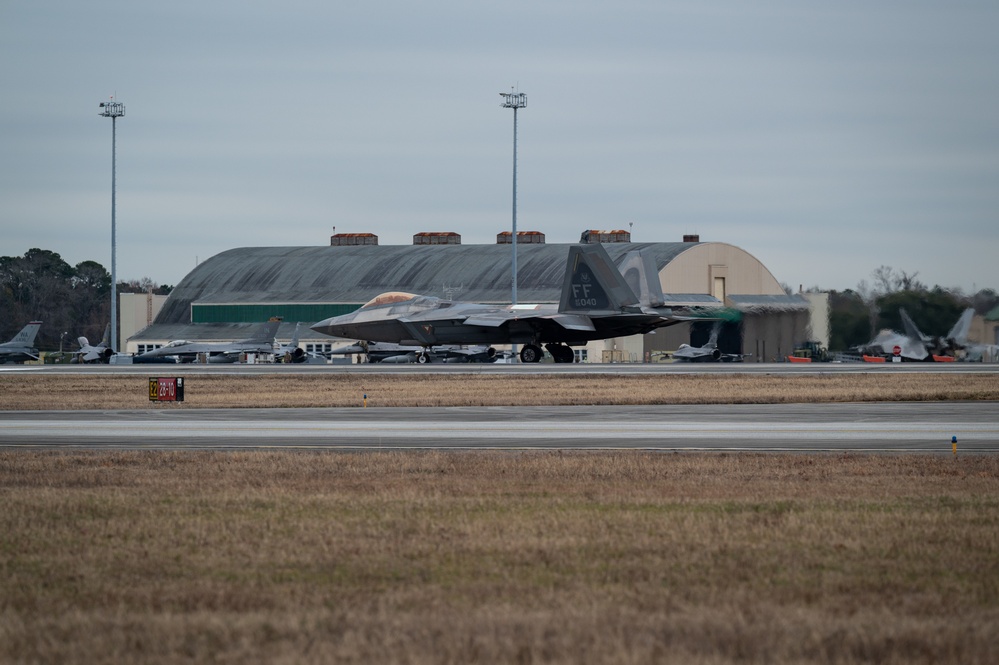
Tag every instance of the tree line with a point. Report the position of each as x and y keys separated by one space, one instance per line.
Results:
x=856 y=315
x=75 y=300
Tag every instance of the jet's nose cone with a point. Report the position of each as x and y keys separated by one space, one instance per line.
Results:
x=326 y=326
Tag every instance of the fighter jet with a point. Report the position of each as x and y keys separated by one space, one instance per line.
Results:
x=262 y=341
x=598 y=302
x=291 y=353
x=386 y=352
x=914 y=345
x=707 y=353
x=20 y=347
x=100 y=352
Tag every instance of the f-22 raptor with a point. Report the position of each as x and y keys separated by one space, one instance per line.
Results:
x=598 y=302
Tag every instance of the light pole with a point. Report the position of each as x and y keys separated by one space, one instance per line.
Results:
x=113 y=110
x=514 y=100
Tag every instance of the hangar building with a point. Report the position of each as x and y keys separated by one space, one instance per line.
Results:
x=225 y=296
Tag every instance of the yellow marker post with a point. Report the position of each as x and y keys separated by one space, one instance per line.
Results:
x=366 y=402
x=953 y=445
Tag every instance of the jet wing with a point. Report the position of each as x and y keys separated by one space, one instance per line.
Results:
x=489 y=319
x=573 y=321
x=498 y=318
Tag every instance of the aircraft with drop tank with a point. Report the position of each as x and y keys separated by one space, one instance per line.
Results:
x=21 y=346
x=598 y=301
x=386 y=352
x=261 y=342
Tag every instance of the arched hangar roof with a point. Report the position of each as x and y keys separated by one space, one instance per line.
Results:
x=355 y=274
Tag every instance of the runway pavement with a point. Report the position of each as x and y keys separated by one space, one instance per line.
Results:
x=880 y=427
x=514 y=369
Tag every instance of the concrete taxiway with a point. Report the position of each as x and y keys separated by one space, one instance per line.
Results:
x=879 y=427
x=500 y=369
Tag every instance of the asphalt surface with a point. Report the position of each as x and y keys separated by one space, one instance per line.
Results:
x=165 y=369
x=878 y=427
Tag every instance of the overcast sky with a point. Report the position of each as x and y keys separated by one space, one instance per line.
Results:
x=826 y=139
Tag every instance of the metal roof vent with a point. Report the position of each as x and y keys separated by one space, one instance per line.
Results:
x=436 y=238
x=523 y=238
x=345 y=239
x=592 y=237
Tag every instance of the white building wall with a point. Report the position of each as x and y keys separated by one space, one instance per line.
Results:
x=137 y=311
x=818 y=310
x=696 y=269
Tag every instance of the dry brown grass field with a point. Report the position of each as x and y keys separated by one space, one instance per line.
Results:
x=466 y=557
x=491 y=557
x=103 y=391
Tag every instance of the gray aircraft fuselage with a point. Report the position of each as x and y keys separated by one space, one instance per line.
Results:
x=261 y=342
x=429 y=321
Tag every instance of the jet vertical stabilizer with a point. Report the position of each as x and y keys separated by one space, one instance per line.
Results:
x=27 y=335
x=593 y=285
x=959 y=333
x=20 y=347
x=909 y=326
x=264 y=334
x=639 y=270
x=291 y=353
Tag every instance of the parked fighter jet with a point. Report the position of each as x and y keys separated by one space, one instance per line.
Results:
x=386 y=352
x=262 y=341
x=709 y=352
x=20 y=347
x=100 y=352
x=290 y=353
x=914 y=345
x=598 y=302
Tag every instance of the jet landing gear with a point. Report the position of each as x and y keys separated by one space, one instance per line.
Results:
x=532 y=353
x=561 y=353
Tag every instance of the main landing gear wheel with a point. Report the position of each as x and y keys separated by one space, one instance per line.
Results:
x=561 y=353
x=531 y=353
x=423 y=358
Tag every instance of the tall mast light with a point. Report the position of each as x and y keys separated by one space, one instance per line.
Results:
x=514 y=100
x=113 y=110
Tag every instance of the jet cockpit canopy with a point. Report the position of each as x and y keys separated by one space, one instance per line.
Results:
x=389 y=298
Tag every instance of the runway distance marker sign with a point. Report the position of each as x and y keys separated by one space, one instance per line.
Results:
x=166 y=389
